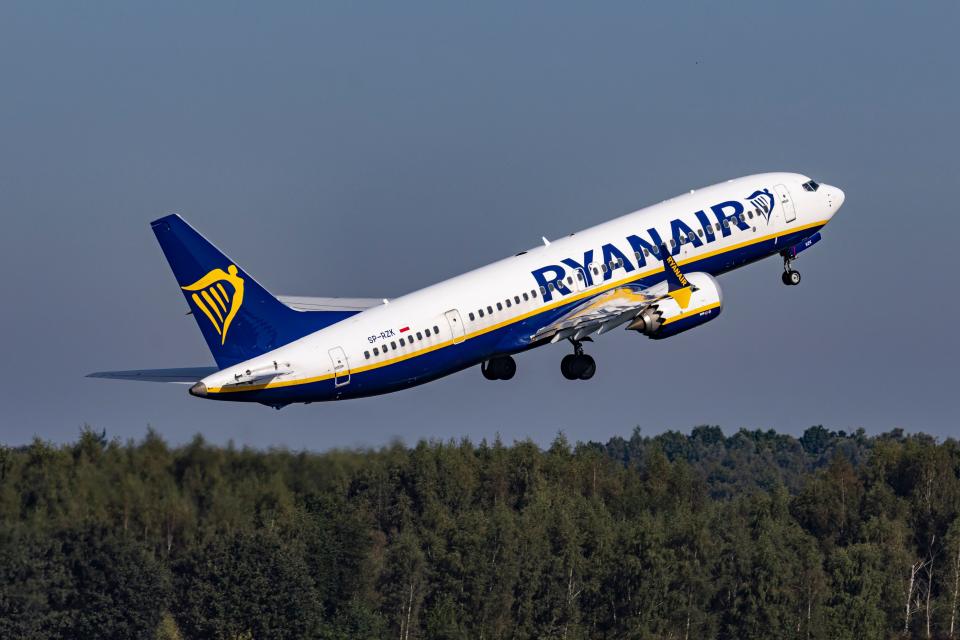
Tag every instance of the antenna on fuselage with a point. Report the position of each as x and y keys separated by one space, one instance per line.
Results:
x=546 y=242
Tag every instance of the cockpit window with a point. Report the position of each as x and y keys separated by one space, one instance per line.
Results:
x=810 y=186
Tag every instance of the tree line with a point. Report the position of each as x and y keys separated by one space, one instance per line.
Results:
x=753 y=535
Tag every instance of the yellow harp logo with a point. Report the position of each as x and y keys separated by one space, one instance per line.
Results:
x=211 y=297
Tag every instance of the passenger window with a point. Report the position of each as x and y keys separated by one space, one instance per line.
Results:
x=543 y=291
x=673 y=243
x=402 y=343
x=508 y=302
x=426 y=332
x=384 y=347
x=718 y=226
x=690 y=236
x=700 y=232
x=525 y=297
x=569 y=280
x=366 y=354
x=551 y=287
x=499 y=307
x=490 y=310
x=580 y=276
x=750 y=214
x=436 y=329
x=603 y=267
x=480 y=312
x=646 y=253
x=419 y=336
x=376 y=351
x=636 y=254
x=743 y=218
x=516 y=299
x=393 y=345
x=726 y=224
x=472 y=316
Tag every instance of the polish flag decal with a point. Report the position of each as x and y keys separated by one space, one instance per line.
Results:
x=404 y=329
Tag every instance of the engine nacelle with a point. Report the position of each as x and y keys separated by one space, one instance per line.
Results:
x=666 y=318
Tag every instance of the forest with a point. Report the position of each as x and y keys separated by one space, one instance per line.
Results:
x=751 y=535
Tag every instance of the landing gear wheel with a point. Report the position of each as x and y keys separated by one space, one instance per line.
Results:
x=789 y=277
x=578 y=366
x=589 y=367
x=499 y=368
x=509 y=368
x=487 y=370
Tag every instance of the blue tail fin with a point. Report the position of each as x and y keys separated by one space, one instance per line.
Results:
x=239 y=319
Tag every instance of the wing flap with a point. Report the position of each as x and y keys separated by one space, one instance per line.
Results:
x=182 y=375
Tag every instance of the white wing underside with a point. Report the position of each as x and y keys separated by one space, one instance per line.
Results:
x=603 y=312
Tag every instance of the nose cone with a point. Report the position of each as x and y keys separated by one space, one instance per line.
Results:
x=838 y=197
x=834 y=197
x=199 y=390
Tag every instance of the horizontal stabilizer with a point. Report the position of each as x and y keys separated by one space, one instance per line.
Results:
x=182 y=375
x=307 y=303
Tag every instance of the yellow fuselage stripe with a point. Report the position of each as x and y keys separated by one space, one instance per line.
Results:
x=521 y=317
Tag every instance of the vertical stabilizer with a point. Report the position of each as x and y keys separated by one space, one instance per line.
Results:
x=239 y=319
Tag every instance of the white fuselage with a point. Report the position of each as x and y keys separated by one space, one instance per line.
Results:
x=455 y=341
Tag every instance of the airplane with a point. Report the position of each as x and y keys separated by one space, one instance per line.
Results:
x=652 y=271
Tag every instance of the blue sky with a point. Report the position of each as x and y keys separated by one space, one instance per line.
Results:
x=370 y=149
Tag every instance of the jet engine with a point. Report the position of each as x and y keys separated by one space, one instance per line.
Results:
x=667 y=318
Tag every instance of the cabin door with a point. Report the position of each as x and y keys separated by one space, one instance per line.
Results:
x=341 y=367
x=456 y=325
x=783 y=197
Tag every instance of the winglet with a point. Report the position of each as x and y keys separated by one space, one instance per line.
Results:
x=678 y=287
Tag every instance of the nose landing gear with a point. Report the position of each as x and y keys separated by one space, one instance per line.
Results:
x=789 y=277
x=577 y=365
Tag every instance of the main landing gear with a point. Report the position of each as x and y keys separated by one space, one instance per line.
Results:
x=499 y=368
x=789 y=277
x=577 y=365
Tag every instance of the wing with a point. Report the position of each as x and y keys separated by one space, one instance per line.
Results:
x=183 y=375
x=617 y=306
x=305 y=303
x=603 y=312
